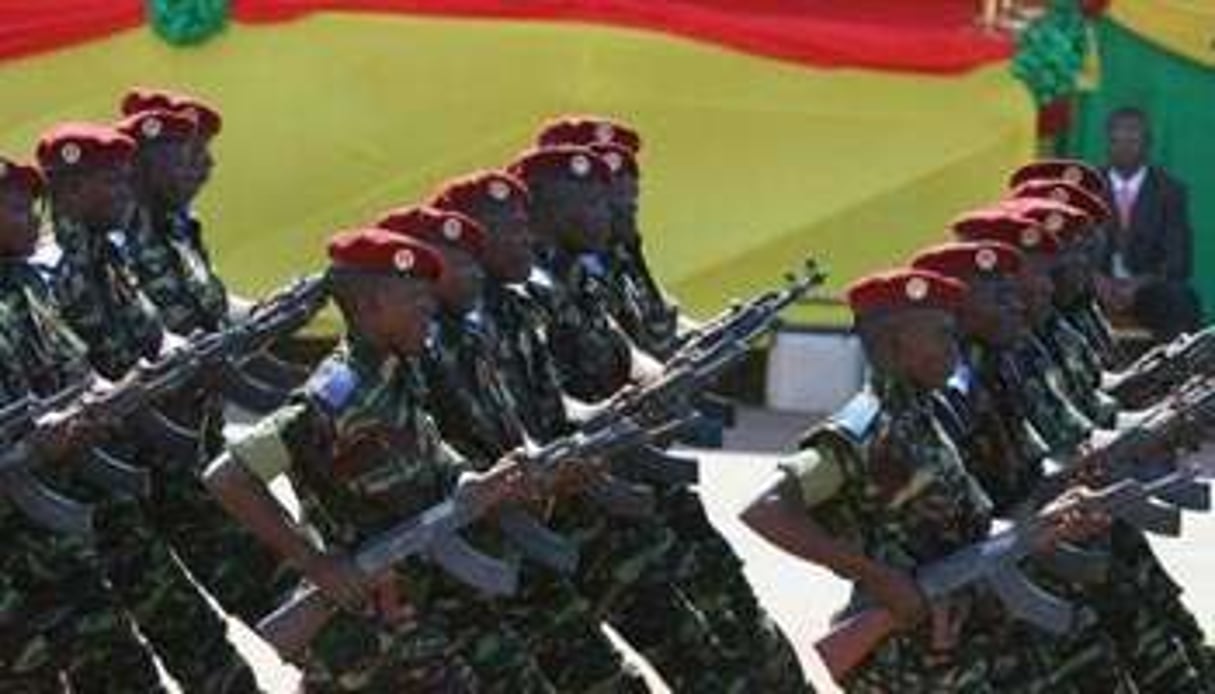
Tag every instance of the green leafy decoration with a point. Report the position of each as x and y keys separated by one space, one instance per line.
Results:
x=187 y=22
x=1051 y=51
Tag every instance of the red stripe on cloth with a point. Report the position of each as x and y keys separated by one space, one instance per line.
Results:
x=925 y=36
x=34 y=26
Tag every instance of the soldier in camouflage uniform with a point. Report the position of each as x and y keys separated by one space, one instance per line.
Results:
x=1144 y=630
x=477 y=415
x=984 y=415
x=582 y=332
x=1083 y=188
x=164 y=253
x=364 y=456
x=881 y=490
x=88 y=170
x=60 y=622
x=620 y=569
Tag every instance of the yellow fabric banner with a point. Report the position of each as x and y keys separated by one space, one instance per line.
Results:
x=749 y=164
x=1186 y=27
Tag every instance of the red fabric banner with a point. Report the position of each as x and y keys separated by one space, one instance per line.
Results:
x=925 y=36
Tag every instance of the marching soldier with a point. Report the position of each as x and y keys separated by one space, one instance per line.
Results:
x=571 y=221
x=364 y=454
x=63 y=626
x=620 y=568
x=1139 y=605
x=88 y=169
x=162 y=251
x=880 y=490
x=476 y=414
x=984 y=415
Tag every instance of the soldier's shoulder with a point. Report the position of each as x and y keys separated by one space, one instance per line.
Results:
x=333 y=384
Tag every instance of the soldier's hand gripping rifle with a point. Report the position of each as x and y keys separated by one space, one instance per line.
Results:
x=1165 y=367
x=29 y=438
x=704 y=357
x=434 y=536
x=993 y=565
x=1144 y=452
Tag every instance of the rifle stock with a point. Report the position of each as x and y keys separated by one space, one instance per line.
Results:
x=850 y=642
x=294 y=625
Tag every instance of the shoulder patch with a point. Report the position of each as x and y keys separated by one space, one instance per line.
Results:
x=540 y=278
x=594 y=264
x=963 y=380
x=858 y=417
x=332 y=384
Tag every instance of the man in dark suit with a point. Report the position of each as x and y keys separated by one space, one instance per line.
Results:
x=1147 y=257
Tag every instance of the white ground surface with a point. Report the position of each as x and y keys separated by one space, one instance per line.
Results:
x=801 y=597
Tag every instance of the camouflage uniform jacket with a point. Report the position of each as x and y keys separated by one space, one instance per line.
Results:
x=1060 y=423
x=50 y=354
x=1081 y=370
x=883 y=475
x=593 y=356
x=361 y=452
x=1090 y=321
x=101 y=301
x=174 y=270
x=516 y=323
x=471 y=403
x=638 y=303
x=990 y=424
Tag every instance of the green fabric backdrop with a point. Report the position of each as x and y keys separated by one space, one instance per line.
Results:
x=1179 y=97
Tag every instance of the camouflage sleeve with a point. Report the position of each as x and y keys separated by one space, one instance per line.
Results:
x=283 y=440
x=816 y=473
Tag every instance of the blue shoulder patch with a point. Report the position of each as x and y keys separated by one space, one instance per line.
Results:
x=593 y=263
x=963 y=379
x=858 y=417
x=332 y=384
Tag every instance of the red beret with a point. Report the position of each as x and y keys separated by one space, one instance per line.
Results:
x=139 y=99
x=588 y=130
x=381 y=251
x=1062 y=191
x=618 y=159
x=25 y=176
x=157 y=125
x=905 y=288
x=962 y=261
x=1067 y=222
x=1006 y=226
x=79 y=146
x=565 y=161
x=433 y=226
x=1074 y=172
x=468 y=194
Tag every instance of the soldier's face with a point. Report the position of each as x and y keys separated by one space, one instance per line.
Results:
x=200 y=164
x=460 y=285
x=926 y=348
x=18 y=223
x=592 y=218
x=168 y=173
x=1037 y=289
x=105 y=196
x=508 y=253
x=624 y=194
x=402 y=312
x=1072 y=278
x=994 y=312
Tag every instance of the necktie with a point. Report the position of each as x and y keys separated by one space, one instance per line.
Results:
x=1125 y=199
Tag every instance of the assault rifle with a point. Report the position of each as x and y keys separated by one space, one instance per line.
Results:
x=993 y=565
x=1164 y=368
x=1142 y=452
x=84 y=410
x=706 y=353
x=434 y=534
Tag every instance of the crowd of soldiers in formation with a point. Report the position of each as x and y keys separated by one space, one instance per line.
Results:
x=499 y=314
